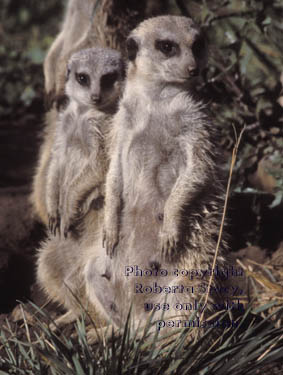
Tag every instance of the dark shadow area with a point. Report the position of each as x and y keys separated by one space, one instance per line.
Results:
x=250 y=219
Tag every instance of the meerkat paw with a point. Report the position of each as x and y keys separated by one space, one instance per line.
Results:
x=62 y=321
x=54 y=222
x=66 y=224
x=92 y=336
x=110 y=240
x=169 y=240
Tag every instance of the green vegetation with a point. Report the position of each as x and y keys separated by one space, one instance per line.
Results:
x=27 y=30
x=243 y=84
x=242 y=350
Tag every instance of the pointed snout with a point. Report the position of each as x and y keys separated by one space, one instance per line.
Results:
x=193 y=71
x=191 y=66
x=95 y=98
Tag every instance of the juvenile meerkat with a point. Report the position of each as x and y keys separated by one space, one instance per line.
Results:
x=79 y=162
x=164 y=193
x=73 y=36
x=76 y=173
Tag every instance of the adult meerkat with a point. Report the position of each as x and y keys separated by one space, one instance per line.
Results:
x=164 y=194
x=77 y=169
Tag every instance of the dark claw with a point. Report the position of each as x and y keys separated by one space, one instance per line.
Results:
x=66 y=231
x=109 y=253
x=168 y=248
x=110 y=249
x=57 y=226
x=109 y=244
x=54 y=224
x=50 y=224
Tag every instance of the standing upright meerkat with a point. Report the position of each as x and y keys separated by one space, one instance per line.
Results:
x=72 y=37
x=77 y=170
x=164 y=193
x=78 y=164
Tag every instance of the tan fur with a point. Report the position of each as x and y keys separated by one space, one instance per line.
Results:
x=60 y=268
x=75 y=26
x=85 y=25
x=164 y=195
x=38 y=196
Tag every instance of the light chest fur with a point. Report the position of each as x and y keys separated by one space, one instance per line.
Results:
x=92 y=127
x=149 y=159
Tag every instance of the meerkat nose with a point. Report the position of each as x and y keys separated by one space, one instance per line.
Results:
x=193 y=71
x=96 y=99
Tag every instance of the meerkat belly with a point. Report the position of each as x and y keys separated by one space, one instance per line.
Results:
x=150 y=171
x=151 y=168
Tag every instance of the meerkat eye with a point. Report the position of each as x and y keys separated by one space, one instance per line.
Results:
x=68 y=74
x=167 y=47
x=107 y=80
x=83 y=79
x=198 y=48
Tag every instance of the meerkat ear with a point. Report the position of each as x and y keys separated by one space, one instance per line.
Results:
x=132 y=48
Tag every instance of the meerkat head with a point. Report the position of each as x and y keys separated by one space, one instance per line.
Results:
x=94 y=78
x=166 y=49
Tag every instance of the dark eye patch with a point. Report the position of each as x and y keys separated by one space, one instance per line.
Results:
x=132 y=48
x=167 y=47
x=107 y=80
x=198 y=47
x=83 y=79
